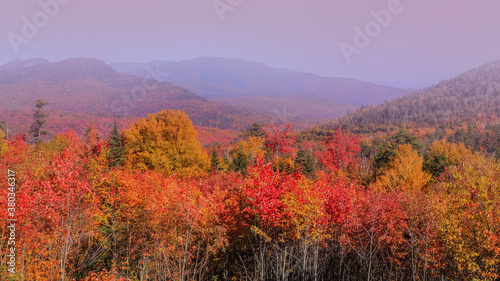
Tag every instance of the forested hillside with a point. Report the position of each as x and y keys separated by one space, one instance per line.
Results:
x=89 y=86
x=471 y=97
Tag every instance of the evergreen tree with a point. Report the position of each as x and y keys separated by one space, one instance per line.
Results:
x=215 y=160
x=3 y=125
x=404 y=137
x=240 y=161
x=39 y=117
x=117 y=152
x=436 y=165
x=254 y=131
x=305 y=160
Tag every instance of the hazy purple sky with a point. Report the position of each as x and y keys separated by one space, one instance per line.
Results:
x=426 y=41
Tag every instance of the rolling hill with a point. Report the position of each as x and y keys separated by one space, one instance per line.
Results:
x=17 y=63
x=220 y=78
x=253 y=85
x=89 y=86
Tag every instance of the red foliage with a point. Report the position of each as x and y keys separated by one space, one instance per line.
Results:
x=279 y=141
x=341 y=151
x=264 y=191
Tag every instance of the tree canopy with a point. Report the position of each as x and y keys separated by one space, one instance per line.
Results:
x=165 y=141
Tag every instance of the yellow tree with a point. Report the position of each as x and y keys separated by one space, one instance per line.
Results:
x=165 y=141
x=4 y=146
x=466 y=204
x=253 y=147
x=442 y=154
x=453 y=153
x=405 y=171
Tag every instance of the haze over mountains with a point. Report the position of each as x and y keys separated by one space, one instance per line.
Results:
x=240 y=92
x=235 y=80
x=89 y=86
x=470 y=98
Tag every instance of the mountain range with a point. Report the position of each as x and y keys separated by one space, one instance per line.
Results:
x=257 y=86
x=233 y=93
x=214 y=92
x=89 y=86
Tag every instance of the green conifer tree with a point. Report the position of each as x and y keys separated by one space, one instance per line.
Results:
x=215 y=160
x=117 y=152
x=40 y=118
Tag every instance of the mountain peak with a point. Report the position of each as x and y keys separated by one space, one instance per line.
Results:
x=17 y=63
x=70 y=69
x=85 y=68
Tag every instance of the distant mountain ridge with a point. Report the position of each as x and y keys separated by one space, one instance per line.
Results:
x=89 y=86
x=471 y=97
x=220 y=78
x=284 y=93
x=240 y=92
x=70 y=69
x=17 y=63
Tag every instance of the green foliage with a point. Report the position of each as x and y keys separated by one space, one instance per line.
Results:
x=240 y=161
x=383 y=159
x=305 y=160
x=254 y=131
x=436 y=165
x=117 y=151
x=214 y=160
x=404 y=137
x=39 y=118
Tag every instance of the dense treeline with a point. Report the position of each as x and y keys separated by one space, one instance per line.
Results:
x=465 y=109
x=148 y=203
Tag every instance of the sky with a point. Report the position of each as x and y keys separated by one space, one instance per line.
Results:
x=404 y=43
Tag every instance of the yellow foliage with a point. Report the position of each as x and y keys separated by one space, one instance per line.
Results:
x=223 y=164
x=253 y=147
x=165 y=141
x=4 y=146
x=306 y=211
x=405 y=171
x=454 y=153
x=468 y=222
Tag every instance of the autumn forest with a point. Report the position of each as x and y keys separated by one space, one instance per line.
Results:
x=149 y=202
x=238 y=140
